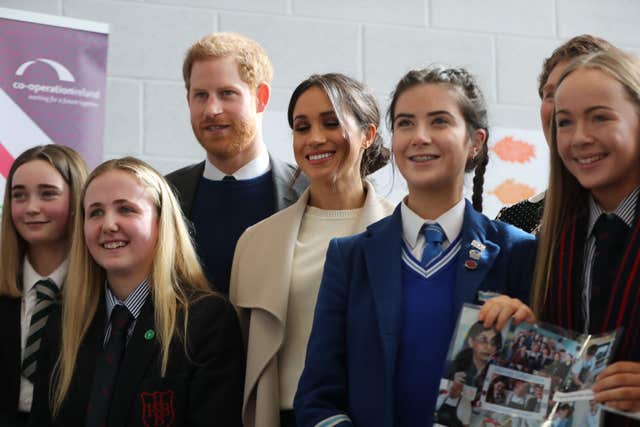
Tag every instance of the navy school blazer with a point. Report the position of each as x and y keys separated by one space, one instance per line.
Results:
x=10 y=359
x=202 y=388
x=349 y=371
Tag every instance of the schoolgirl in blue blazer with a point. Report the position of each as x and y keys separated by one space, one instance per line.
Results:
x=390 y=296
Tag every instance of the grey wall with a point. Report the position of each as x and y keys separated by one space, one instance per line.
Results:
x=502 y=41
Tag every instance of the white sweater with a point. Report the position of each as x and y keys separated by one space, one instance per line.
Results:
x=317 y=228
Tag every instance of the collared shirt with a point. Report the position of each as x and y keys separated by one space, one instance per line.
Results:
x=450 y=222
x=255 y=168
x=133 y=303
x=29 y=300
x=626 y=210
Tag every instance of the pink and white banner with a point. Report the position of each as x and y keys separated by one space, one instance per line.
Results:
x=52 y=84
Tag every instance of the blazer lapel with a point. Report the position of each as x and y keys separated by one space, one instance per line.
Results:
x=382 y=255
x=279 y=238
x=373 y=209
x=138 y=355
x=11 y=347
x=471 y=271
x=88 y=354
x=268 y=304
x=188 y=184
x=286 y=190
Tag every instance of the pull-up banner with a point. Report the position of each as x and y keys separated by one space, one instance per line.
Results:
x=52 y=84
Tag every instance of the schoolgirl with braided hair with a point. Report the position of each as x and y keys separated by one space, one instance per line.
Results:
x=390 y=297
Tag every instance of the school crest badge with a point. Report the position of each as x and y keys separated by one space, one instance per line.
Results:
x=157 y=408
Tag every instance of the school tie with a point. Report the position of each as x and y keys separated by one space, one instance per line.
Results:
x=107 y=368
x=228 y=178
x=46 y=294
x=434 y=236
x=611 y=234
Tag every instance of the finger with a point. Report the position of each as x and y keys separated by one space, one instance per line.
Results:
x=523 y=314
x=619 y=394
x=616 y=381
x=488 y=306
x=494 y=314
x=629 y=406
x=620 y=368
x=482 y=313
x=503 y=318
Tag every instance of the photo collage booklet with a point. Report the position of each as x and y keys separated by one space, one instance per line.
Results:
x=525 y=375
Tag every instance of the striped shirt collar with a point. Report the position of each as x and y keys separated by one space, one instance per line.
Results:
x=133 y=302
x=626 y=210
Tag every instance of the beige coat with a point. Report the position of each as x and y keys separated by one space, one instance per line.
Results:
x=260 y=281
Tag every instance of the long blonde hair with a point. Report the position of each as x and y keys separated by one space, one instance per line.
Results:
x=73 y=169
x=565 y=197
x=175 y=274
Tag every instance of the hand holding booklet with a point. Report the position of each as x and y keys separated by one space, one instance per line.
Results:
x=524 y=375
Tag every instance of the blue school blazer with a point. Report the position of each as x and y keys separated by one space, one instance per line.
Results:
x=349 y=371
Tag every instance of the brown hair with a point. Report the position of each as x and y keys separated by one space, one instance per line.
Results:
x=575 y=47
x=349 y=96
x=73 y=169
x=253 y=63
x=472 y=105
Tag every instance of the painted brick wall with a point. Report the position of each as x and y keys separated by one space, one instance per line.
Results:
x=503 y=42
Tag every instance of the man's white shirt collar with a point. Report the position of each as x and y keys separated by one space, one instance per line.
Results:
x=30 y=276
x=450 y=221
x=255 y=168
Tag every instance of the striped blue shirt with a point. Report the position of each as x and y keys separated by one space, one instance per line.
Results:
x=133 y=303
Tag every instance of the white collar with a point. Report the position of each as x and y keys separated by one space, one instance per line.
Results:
x=450 y=221
x=255 y=168
x=30 y=276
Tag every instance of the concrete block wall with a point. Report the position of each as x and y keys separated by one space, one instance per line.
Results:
x=503 y=42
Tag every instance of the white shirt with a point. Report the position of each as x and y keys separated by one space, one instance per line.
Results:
x=29 y=300
x=255 y=168
x=450 y=222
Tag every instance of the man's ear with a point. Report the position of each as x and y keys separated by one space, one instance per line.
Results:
x=263 y=94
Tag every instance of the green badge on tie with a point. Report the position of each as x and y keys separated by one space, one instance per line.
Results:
x=149 y=335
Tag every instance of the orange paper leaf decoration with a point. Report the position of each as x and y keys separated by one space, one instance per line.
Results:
x=513 y=150
x=510 y=192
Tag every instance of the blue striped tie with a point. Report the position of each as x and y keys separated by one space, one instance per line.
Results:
x=434 y=236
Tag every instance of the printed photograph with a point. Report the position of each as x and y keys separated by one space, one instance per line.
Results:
x=515 y=393
x=586 y=414
x=473 y=349
x=591 y=360
x=538 y=351
x=454 y=404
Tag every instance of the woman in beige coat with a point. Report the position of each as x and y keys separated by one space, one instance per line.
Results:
x=278 y=262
